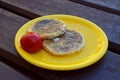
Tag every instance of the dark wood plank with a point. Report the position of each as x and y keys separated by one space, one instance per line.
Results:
x=9 y=26
x=111 y=6
x=18 y=10
x=107 y=68
x=7 y=73
x=108 y=22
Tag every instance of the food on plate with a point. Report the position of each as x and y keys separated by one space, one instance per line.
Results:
x=52 y=35
x=31 y=42
x=48 y=28
x=69 y=43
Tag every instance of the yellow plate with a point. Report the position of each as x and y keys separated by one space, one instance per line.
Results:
x=96 y=44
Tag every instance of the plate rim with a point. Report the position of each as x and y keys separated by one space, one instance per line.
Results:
x=74 y=67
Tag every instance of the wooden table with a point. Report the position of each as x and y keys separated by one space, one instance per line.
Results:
x=14 y=13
